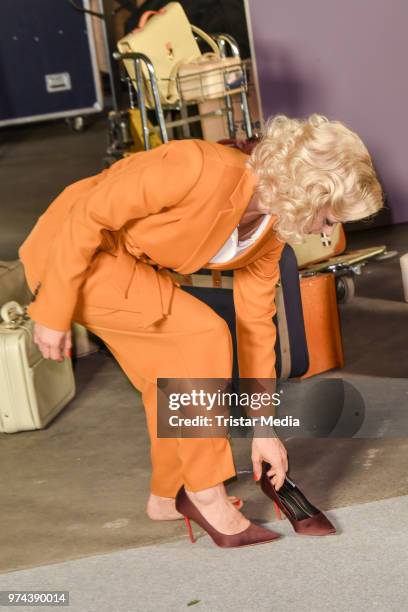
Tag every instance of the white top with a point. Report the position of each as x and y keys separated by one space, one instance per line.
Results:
x=233 y=246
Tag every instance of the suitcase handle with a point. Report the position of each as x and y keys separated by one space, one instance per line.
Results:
x=9 y=310
x=146 y=15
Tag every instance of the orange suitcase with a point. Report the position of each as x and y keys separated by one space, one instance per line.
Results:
x=322 y=324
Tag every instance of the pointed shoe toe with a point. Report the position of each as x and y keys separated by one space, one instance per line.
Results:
x=317 y=525
x=255 y=534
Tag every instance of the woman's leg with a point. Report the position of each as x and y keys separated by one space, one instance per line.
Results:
x=191 y=342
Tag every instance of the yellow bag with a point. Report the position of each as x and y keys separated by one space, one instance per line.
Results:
x=166 y=38
x=136 y=130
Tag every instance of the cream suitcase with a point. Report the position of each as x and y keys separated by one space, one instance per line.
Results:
x=166 y=38
x=33 y=390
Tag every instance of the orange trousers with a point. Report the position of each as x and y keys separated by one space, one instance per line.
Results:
x=192 y=341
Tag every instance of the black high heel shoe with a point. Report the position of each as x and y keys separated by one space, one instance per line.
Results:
x=305 y=518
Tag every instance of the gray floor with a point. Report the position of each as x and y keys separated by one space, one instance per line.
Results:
x=73 y=494
x=36 y=163
x=364 y=567
x=83 y=480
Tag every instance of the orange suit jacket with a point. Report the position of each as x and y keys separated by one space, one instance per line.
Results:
x=175 y=206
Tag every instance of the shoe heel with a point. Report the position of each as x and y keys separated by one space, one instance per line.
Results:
x=189 y=530
x=278 y=513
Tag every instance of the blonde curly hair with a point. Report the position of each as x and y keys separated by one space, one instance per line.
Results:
x=302 y=165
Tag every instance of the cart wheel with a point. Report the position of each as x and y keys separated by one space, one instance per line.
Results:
x=76 y=124
x=345 y=289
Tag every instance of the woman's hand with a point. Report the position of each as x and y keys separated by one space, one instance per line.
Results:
x=272 y=451
x=53 y=344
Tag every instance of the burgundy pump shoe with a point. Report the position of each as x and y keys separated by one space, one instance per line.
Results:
x=254 y=534
x=304 y=517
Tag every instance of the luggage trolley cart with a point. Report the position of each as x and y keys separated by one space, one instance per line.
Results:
x=218 y=83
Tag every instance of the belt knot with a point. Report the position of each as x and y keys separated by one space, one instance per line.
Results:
x=152 y=289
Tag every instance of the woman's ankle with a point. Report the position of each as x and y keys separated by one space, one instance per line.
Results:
x=210 y=495
x=156 y=496
x=216 y=508
x=161 y=508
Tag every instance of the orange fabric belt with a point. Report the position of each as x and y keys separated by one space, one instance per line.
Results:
x=149 y=289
